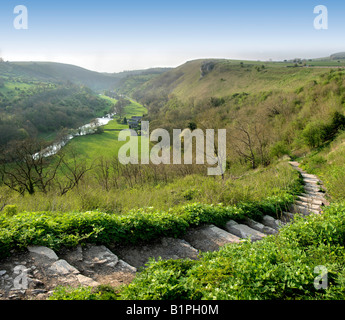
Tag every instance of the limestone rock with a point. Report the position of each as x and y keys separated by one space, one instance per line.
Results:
x=95 y=255
x=86 y=281
x=62 y=267
x=271 y=222
x=43 y=251
x=166 y=248
x=243 y=231
x=210 y=238
x=260 y=227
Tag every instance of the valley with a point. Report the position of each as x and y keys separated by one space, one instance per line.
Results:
x=171 y=231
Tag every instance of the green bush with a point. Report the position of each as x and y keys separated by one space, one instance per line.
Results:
x=102 y=292
x=313 y=134
x=70 y=229
x=10 y=210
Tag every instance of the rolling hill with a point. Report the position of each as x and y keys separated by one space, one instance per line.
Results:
x=61 y=73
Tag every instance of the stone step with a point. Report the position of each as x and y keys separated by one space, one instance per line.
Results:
x=243 y=231
x=272 y=223
x=209 y=238
x=286 y=216
x=309 y=176
x=260 y=227
x=165 y=248
x=311 y=181
x=307 y=205
x=299 y=209
x=35 y=272
x=312 y=189
x=303 y=210
x=315 y=195
x=100 y=264
x=311 y=185
x=310 y=200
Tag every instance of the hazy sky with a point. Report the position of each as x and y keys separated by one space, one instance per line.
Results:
x=116 y=35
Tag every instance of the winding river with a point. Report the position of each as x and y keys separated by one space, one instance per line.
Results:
x=89 y=128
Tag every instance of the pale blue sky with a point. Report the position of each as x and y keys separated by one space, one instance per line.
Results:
x=113 y=36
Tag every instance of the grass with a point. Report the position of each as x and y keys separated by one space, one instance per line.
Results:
x=274 y=181
x=328 y=163
x=56 y=230
x=229 y=77
x=91 y=147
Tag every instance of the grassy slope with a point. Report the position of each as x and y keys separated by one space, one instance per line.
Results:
x=229 y=77
x=328 y=163
x=106 y=144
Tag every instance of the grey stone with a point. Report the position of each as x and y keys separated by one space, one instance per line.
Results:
x=271 y=222
x=310 y=200
x=166 y=248
x=100 y=255
x=38 y=291
x=243 y=231
x=287 y=217
x=123 y=265
x=86 y=281
x=44 y=251
x=210 y=238
x=260 y=227
x=307 y=205
x=62 y=267
x=2 y=272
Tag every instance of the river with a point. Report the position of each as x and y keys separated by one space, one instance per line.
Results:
x=89 y=128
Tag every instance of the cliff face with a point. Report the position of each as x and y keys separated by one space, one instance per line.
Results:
x=206 y=68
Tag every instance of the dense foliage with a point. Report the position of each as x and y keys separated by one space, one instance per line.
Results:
x=46 y=110
x=278 y=267
x=72 y=228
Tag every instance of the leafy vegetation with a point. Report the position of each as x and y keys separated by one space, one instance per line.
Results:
x=46 y=110
x=278 y=267
x=269 y=110
x=72 y=228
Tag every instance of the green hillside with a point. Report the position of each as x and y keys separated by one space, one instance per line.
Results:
x=218 y=78
x=272 y=111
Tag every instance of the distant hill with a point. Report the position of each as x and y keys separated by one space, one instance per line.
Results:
x=338 y=56
x=59 y=72
x=199 y=79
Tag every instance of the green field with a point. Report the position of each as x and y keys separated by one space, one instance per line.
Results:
x=92 y=147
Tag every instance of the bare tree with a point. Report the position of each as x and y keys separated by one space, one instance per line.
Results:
x=250 y=142
x=103 y=173
x=73 y=170
x=25 y=169
x=244 y=144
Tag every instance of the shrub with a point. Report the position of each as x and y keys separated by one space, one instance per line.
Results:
x=70 y=229
x=277 y=267
x=10 y=210
x=313 y=134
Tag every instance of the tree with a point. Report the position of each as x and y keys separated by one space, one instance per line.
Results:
x=73 y=170
x=313 y=134
x=24 y=169
x=251 y=143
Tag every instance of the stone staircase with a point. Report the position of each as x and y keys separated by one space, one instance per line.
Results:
x=35 y=273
